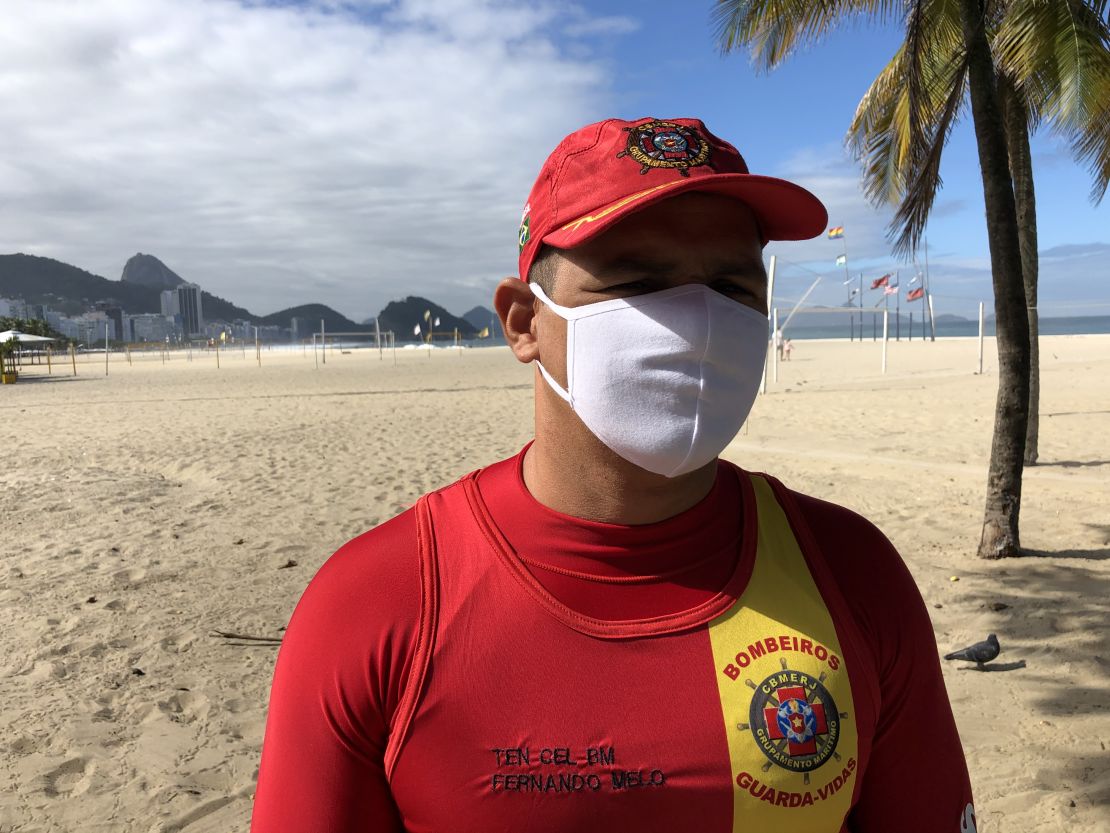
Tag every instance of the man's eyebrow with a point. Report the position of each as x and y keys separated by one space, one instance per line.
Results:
x=632 y=265
x=745 y=268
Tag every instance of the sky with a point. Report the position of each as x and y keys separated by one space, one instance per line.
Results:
x=353 y=152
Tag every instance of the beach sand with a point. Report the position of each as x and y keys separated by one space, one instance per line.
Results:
x=143 y=510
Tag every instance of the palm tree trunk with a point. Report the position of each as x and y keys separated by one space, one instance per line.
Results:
x=1016 y=117
x=1003 y=505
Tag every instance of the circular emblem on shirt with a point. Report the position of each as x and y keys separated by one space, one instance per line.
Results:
x=794 y=721
x=664 y=144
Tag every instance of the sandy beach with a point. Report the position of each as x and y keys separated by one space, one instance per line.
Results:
x=145 y=509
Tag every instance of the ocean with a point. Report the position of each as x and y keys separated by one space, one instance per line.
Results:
x=873 y=328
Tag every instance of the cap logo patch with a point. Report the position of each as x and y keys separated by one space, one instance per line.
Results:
x=525 y=232
x=664 y=144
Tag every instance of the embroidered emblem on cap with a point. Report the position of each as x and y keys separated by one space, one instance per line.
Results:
x=664 y=144
x=525 y=232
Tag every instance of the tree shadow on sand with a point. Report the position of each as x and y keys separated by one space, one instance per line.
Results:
x=1051 y=618
x=995 y=666
x=1073 y=464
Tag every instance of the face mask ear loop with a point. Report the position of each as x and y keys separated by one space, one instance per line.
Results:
x=537 y=290
x=564 y=395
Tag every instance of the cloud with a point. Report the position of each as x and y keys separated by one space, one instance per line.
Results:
x=590 y=27
x=1073 y=250
x=341 y=151
x=830 y=174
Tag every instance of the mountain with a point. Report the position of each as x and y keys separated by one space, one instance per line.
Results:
x=334 y=322
x=480 y=317
x=72 y=291
x=217 y=309
x=43 y=280
x=147 y=270
x=402 y=316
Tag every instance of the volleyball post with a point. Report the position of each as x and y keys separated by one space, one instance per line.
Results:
x=770 y=300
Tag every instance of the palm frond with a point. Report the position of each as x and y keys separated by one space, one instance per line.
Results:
x=924 y=181
x=773 y=30
x=880 y=133
x=896 y=121
x=1059 y=54
x=1090 y=143
x=1059 y=51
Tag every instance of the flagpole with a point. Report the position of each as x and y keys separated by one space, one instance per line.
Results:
x=932 y=323
x=886 y=315
x=861 y=307
x=775 y=350
x=898 y=311
x=770 y=297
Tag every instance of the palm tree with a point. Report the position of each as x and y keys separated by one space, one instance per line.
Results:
x=1053 y=63
x=901 y=127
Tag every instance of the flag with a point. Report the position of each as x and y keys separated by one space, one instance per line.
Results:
x=914 y=294
x=891 y=290
x=416 y=330
x=841 y=260
x=835 y=232
x=483 y=333
x=883 y=281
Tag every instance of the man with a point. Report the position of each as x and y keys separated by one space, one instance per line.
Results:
x=615 y=630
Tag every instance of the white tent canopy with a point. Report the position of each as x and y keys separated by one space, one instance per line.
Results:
x=23 y=338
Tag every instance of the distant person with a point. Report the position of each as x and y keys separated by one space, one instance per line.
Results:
x=779 y=343
x=615 y=630
x=787 y=347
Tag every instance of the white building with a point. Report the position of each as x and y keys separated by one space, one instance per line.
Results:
x=170 y=307
x=89 y=328
x=149 y=327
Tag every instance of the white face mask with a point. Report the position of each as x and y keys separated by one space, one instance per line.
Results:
x=664 y=379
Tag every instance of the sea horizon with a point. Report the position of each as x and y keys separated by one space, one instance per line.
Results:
x=873 y=328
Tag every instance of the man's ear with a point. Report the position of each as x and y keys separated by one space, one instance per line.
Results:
x=516 y=307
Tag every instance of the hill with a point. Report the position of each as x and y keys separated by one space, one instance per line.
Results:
x=72 y=291
x=43 y=280
x=216 y=308
x=333 y=321
x=147 y=270
x=480 y=317
x=403 y=316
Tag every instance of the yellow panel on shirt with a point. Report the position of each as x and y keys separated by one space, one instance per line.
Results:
x=785 y=694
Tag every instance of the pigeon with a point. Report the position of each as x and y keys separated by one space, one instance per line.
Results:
x=978 y=653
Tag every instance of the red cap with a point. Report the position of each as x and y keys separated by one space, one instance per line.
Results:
x=603 y=172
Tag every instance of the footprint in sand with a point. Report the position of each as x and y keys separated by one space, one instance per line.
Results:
x=44 y=670
x=23 y=745
x=70 y=778
x=128 y=576
x=185 y=706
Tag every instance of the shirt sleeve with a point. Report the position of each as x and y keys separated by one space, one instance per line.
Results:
x=916 y=779
x=340 y=672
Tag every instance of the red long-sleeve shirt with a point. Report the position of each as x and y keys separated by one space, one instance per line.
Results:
x=481 y=662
